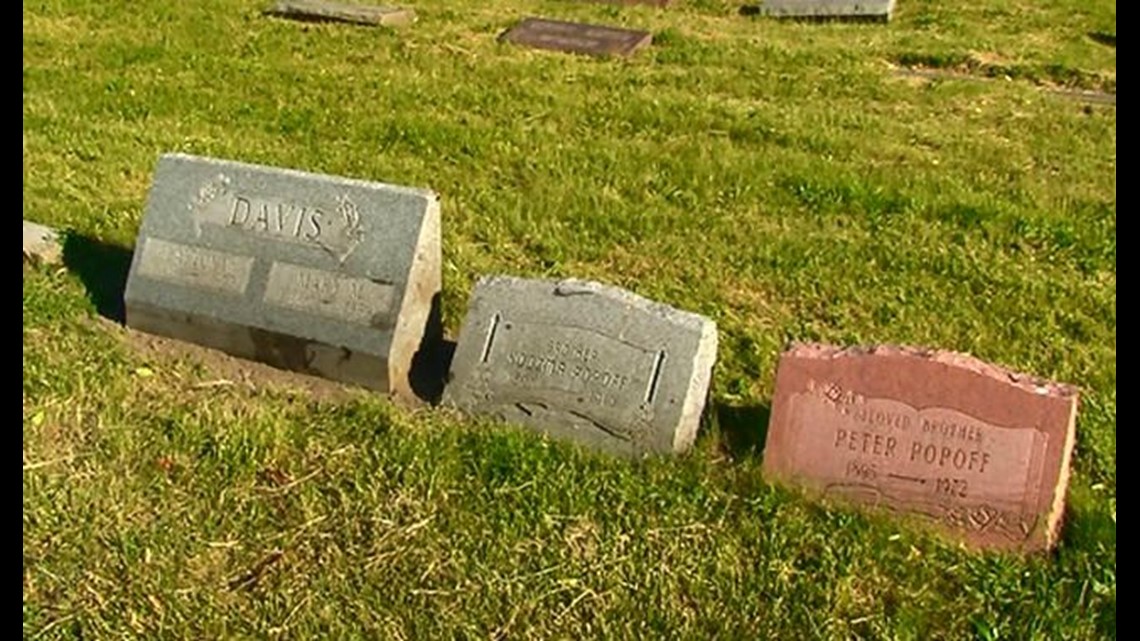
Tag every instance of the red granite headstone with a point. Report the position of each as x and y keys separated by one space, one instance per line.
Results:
x=981 y=451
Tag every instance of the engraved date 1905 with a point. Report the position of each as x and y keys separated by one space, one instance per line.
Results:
x=862 y=470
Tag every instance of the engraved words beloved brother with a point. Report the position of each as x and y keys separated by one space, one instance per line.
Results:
x=944 y=446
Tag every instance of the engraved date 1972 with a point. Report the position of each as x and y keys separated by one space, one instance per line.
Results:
x=951 y=487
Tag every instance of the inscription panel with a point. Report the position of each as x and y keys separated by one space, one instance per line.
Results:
x=354 y=300
x=936 y=434
x=936 y=459
x=333 y=225
x=604 y=379
x=583 y=361
x=195 y=266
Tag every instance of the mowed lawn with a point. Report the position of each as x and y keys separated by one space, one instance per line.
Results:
x=778 y=177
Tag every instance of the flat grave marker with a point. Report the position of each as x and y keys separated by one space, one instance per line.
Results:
x=583 y=361
x=573 y=37
x=323 y=275
x=873 y=10
x=323 y=11
x=981 y=452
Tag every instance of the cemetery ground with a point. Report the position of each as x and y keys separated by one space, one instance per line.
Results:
x=779 y=177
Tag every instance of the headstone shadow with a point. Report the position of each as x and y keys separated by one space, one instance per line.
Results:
x=432 y=360
x=1101 y=37
x=103 y=268
x=743 y=429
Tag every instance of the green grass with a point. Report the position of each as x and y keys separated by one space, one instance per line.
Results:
x=774 y=176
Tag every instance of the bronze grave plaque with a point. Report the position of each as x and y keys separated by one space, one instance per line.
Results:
x=573 y=37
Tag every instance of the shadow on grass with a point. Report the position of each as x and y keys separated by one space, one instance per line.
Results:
x=1085 y=526
x=742 y=428
x=1089 y=528
x=330 y=14
x=1106 y=39
x=102 y=267
x=432 y=360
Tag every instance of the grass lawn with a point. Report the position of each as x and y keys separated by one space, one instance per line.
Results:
x=779 y=177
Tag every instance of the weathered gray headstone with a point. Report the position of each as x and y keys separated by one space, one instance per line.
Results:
x=583 y=361
x=319 y=274
x=41 y=244
x=323 y=11
x=851 y=9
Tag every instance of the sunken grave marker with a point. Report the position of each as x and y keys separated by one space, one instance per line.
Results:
x=323 y=11
x=573 y=37
x=866 y=10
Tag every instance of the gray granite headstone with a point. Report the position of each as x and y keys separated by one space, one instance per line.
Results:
x=583 y=361
x=319 y=274
x=325 y=11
